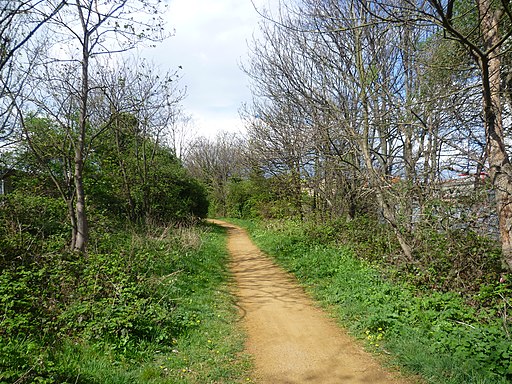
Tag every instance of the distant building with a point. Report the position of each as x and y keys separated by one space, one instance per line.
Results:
x=5 y=181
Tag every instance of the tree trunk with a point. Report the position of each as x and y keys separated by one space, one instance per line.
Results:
x=374 y=178
x=500 y=169
x=82 y=233
x=72 y=218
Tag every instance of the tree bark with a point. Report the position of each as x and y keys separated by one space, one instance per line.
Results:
x=72 y=217
x=500 y=169
x=82 y=227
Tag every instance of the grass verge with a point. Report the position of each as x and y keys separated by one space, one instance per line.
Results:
x=151 y=308
x=433 y=334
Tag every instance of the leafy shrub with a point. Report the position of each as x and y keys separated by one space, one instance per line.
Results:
x=30 y=225
x=455 y=260
x=160 y=191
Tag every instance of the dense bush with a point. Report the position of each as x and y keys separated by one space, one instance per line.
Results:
x=456 y=260
x=165 y=192
x=127 y=174
x=258 y=197
x=69 y=317
x=30 y=225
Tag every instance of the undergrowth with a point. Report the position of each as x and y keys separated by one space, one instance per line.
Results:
x=433 y=333
x=141 y=307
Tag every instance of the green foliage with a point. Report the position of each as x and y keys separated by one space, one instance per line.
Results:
x=29 y=225
x=238 y=199
x=259 y=197
x=368 y=238
x=143 y=308
x=242 y=199
x=50 y=144
x=127 y=174
x=457 y=260
x=140 y=179
x=435 y=334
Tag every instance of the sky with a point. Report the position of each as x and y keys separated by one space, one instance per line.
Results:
x=209 y=43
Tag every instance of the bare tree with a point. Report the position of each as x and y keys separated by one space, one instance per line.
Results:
x=183 y=132
x=484 y=30
x=78 y=35
x=329 y=59
x=215 y=162
x=352 y=90
x=20 y=21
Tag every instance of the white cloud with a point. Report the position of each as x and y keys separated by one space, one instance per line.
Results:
x=209 y=43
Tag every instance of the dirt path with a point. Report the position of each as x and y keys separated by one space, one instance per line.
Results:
x=290 y=339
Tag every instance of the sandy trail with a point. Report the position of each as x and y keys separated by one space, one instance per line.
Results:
x=290 y=339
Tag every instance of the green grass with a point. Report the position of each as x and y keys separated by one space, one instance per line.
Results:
x=435 y=335
x=140 y=309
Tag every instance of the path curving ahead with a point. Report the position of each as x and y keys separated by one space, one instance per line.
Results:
x=290 y=339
